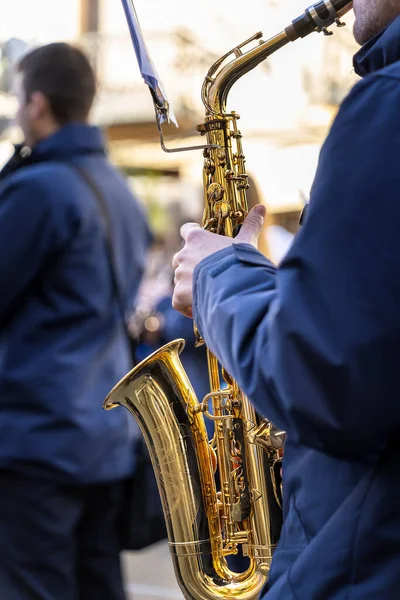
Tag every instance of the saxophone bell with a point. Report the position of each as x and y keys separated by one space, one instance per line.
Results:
x=160 y=396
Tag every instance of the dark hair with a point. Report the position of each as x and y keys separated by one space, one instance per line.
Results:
x=64 y=76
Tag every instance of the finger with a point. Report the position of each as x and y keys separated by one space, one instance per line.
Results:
x=187 y=312
x=252 y=226
x=188 y=227
x=176 y=260
x=181 y=307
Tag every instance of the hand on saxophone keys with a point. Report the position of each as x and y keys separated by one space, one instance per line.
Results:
x=199 y=244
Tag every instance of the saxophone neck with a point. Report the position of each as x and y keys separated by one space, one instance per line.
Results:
x=220 y=79
x=216 y=88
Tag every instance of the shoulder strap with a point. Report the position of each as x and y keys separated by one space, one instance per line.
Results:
x=105 y=216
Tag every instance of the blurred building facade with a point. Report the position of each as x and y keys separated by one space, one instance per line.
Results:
x=286 y=104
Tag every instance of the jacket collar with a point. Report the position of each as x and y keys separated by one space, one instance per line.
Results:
x=67 y=143
x=381 y=51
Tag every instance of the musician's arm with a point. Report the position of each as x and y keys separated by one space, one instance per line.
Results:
x=316 y=345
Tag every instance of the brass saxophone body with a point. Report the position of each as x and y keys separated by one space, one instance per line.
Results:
x=210 y=516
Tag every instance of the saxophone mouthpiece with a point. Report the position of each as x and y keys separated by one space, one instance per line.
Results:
x=319 y=17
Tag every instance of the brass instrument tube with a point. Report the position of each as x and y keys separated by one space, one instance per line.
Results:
x=159 y=395
x=233 y=71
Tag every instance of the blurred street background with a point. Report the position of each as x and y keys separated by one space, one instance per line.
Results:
x=286 y=104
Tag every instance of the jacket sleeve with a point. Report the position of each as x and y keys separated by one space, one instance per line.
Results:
x=28 y=236
x=316 y=344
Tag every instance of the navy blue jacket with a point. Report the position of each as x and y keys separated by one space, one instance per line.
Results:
x=63 y=345
x=316 y=345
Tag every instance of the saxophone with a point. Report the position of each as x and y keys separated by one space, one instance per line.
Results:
x=222 y=494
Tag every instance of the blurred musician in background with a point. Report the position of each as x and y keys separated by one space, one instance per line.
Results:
x=64 y=210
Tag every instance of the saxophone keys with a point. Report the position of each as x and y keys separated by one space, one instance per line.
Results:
x=339 y=23
x=221 y=156
x=263 y=568
x=215 y=192
x=209 y=166
x=222 y=209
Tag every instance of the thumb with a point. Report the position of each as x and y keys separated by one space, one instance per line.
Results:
x=252 y=226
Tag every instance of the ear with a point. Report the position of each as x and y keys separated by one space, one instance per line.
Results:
x=38 y=106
